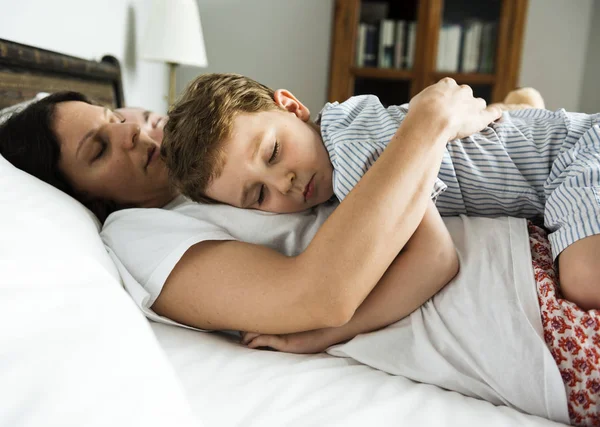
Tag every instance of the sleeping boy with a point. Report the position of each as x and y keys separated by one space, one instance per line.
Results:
x=233 y=140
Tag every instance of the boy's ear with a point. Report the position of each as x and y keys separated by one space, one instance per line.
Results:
x=286 y=100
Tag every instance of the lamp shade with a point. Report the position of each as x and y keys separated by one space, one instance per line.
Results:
x=174 y=33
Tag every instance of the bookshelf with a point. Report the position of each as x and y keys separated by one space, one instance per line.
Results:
x=478 y=43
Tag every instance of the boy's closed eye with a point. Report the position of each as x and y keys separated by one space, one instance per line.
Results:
x=274 y=155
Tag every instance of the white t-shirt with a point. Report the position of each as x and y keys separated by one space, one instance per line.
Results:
x=481 y=335
x=146 y=244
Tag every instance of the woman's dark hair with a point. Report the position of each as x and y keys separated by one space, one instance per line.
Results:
x=28 y=141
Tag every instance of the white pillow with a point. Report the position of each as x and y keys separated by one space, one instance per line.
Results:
x=36 y=219
x=75 y=351
x=74 y=348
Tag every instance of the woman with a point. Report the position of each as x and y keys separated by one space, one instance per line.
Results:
x=192 y=259
x=109 y=163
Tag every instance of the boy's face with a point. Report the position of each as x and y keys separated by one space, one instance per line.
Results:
x=275 y=161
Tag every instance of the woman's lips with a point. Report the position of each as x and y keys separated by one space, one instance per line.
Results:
x=310 y=189
x=152 y=153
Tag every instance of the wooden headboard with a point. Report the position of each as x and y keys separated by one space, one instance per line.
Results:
x=25 y=71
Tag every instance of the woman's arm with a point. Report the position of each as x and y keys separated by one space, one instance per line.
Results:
x=240 y=286
x=427 y=263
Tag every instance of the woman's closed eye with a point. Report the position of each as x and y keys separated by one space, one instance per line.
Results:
x=103 y=144
x=120 y=118
x=101 y=151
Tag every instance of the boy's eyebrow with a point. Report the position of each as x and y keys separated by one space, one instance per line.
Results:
x=256 y=143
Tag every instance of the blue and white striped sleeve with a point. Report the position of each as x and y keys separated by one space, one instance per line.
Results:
x=355 y=134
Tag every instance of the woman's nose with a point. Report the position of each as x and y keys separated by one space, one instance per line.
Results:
x=126 y=134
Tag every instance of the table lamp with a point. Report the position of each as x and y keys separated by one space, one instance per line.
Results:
x=174 y=35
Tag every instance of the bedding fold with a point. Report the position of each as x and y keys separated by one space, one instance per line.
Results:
x=482 y=334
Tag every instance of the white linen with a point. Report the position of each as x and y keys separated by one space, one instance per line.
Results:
x=37 y=219
x=482 y=334
x=146 y=244
x=491 y=250
x=76 y=352
x=74 y=349
x=231 y=385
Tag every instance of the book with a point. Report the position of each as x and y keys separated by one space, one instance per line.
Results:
x=471 y=46
x=440 y=63
x=399 y=42
x=488 y=48
x=452 y=54
x=386 y=44
x=360 y=44
x=411 y=40
x=371 y=44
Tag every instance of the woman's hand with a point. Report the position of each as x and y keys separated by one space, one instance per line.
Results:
x=452 y=109
x=314 y=341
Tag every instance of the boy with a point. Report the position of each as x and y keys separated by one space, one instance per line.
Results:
x=233 y=140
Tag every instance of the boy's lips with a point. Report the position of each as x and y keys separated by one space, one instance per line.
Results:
x=309 y=189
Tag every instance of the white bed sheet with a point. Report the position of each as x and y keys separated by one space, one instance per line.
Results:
x=228 y=384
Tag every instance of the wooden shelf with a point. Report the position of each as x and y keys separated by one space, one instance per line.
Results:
x=346 y=79
x=467 y=78
x=382 y=73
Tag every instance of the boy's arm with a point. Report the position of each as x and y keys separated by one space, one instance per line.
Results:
x=425 y=265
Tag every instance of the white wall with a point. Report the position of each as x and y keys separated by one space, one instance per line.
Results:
x=280 y=43
x=555 y=49
x=590 y=87
x=286 y=43
x=90 y=29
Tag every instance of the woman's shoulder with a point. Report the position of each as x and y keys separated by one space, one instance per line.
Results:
x=184 y=219
x=180 y=214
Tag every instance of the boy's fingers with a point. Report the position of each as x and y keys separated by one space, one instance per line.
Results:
x=492 y=113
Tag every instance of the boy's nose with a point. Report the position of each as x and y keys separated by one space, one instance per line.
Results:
x=285 y=184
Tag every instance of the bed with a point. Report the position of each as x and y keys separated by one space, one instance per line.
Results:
x=75 y=350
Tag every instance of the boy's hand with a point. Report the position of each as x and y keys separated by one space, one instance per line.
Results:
x=451 y=108
x=314 y=341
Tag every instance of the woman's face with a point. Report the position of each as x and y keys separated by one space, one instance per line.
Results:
x=108 y=155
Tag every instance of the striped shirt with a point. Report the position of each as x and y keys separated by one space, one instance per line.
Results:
x=530 y=163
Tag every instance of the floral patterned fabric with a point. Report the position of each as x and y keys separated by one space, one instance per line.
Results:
x=573 y=335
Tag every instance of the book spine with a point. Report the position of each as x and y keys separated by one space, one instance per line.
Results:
x=370 y=56
x=453 y=38
x=441 y=50
x=410 y=44
x=399 y=43
x=386 y=44
x=472 y=47
x=360 y=45
x=488 y=48
x=467 y=51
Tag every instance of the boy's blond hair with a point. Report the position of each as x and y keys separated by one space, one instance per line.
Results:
x=200 y=120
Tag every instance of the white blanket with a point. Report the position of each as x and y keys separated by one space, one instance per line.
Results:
x=229 y=385
x=482 y=334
